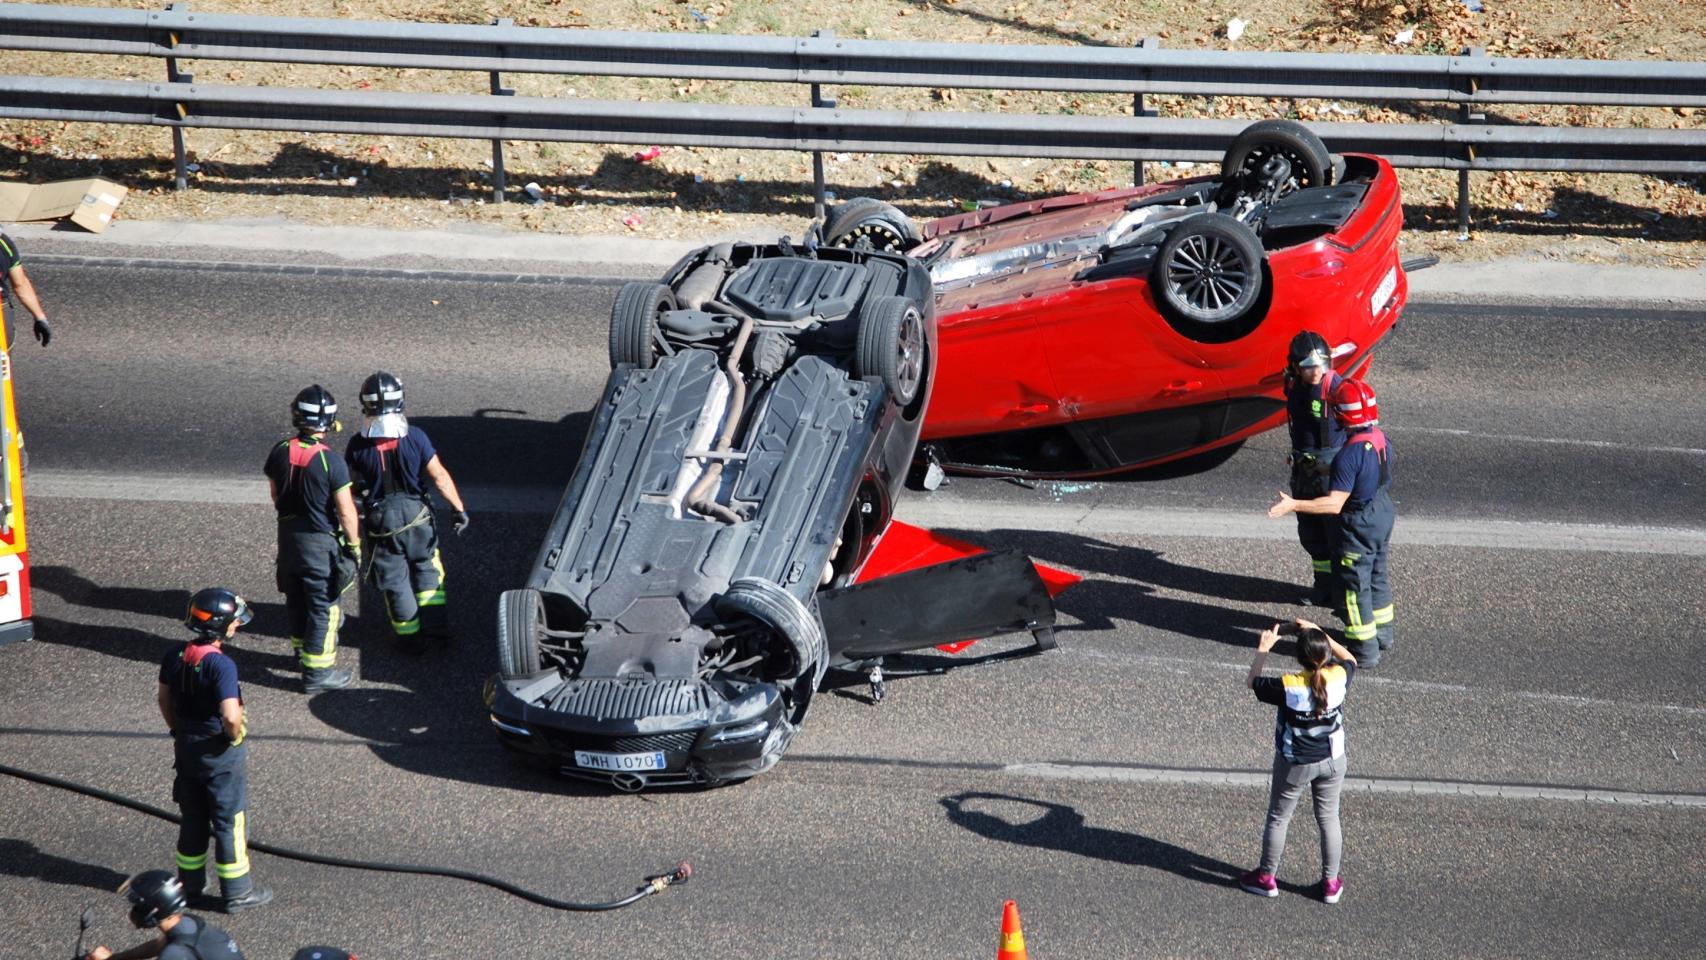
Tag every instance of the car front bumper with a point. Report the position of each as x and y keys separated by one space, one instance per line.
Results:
x=733 y=740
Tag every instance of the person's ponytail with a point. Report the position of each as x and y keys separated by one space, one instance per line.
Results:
x=1313 y=652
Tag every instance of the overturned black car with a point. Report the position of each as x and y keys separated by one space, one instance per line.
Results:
x=707 y=563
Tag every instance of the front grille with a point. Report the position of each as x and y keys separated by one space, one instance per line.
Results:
x=629 y=699
x=680 y=742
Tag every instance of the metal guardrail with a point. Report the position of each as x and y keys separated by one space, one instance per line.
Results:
x=1468 y=82
x=469 y=116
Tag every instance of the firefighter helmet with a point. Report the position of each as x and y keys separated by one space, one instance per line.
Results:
x=153 y=897
x=381 y=393
x=212 y=611
x=314 y=409
x=1353 y=404
x=1309 y=349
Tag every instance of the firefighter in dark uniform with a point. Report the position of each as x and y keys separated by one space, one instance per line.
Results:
x=203 y=707
x=391 y=464
x=1316 y=437
x=311 y=490
x=14 y=282
x=1359 y=495
x=157 y=903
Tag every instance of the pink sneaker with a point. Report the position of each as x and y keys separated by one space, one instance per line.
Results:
x=1331 y=889
x=1258 y=883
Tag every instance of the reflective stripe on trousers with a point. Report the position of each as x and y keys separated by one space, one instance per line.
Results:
x=1364 y=584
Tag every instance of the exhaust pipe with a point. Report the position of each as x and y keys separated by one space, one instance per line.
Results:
x=629 y=782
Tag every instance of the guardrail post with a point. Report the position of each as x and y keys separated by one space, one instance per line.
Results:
x=499 y=90
x=1466 y=114
x=1138 y=110
x=180 y=167
x=820 y=196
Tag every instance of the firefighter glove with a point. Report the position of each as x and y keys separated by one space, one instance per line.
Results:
x=460 y=523
x=351 y=549
x=44 y=333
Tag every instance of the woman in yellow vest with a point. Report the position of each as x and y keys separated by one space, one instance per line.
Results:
x=1309 y=748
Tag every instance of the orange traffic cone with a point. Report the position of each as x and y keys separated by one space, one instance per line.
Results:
x=1012 y=938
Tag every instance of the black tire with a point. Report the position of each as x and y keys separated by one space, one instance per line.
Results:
x=1208 y=277
x=867 y=217
x=893 y=347
x=1311 y=164
x=634 y=323
x=802 y=646
x=520 y=615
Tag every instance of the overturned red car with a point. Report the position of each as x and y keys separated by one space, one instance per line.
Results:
x=1101 y=332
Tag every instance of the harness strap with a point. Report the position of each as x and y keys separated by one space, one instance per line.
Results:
x=301 y=455
x=1376 y=438
x=387 y=476
x=423 y=516
x=1323 y=426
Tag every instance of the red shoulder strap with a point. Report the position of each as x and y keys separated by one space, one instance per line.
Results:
x=195 y=653
x=303 y=454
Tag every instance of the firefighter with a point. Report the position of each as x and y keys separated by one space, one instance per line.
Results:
x=1359 y=495
x=202 y=704
x=391 y=463
x=157 y=903
x=319 y=545
x=14 y=281
x=1316 y=437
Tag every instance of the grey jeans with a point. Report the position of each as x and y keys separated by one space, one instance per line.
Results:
x=1324 y=779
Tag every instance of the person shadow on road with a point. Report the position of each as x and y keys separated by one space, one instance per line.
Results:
x=1063 y=828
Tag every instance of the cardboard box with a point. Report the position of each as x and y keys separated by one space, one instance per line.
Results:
x=90 y=203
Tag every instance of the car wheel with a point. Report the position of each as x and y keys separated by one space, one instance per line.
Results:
x=1311 y=164
x=871 y=219
x=634 y=323
x=520 y=615
x=802 y=645
x=1208 y=277
x=892 y=347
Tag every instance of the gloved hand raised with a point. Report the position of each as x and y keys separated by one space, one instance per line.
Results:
x=460 y=523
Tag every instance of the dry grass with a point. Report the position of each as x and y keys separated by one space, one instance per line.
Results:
x=684 y=192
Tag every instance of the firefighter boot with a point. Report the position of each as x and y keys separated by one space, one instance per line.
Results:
x=326 y=678
x=254 y=897
x=1366 y=652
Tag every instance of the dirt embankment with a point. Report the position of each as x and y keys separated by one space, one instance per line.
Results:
x=597 y=189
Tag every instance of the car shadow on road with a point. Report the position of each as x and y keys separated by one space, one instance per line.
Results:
x=1098 y=603
x=20 y=858
x=503 y=448
x=1142 y=564
x=1063 y=828
x=404 y=730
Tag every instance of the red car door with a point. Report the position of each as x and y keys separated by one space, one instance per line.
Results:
x=992 y=376
x=1137 y=390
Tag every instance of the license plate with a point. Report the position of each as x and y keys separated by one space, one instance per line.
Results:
x=617 y=762
x=1383 y=293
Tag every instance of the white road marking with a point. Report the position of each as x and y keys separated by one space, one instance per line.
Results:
x=161 y=488
x=946 y=510
x=1419 y=788
x=1194 y=668
x=1556 y=441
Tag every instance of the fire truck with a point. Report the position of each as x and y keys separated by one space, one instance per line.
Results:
x=14 y=546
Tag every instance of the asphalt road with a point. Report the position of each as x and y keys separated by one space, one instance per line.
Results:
x=1549 y=651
